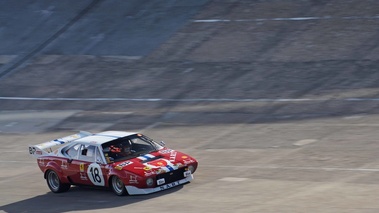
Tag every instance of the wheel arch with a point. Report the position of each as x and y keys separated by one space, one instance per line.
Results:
x=53 y=166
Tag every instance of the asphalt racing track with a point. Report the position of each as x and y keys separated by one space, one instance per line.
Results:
x=277 y=99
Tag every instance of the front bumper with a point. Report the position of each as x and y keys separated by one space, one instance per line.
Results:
x=132 y=190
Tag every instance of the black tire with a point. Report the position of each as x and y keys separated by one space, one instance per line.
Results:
x=54 y=183
x=118 y=187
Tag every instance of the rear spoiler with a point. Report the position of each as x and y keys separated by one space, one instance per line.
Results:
x=46 y=147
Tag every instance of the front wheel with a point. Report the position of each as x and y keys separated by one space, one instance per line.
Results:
x=55 y=183
x=118 y=186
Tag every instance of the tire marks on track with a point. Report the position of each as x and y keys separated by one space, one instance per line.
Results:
x=21 y=59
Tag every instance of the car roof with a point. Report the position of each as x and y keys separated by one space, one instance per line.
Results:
x=103 y=137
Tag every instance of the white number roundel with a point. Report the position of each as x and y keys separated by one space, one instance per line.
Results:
x=95 y=174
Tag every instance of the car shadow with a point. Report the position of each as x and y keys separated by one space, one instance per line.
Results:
x=79 y=199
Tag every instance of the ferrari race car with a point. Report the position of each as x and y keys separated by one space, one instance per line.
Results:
x=128 y=163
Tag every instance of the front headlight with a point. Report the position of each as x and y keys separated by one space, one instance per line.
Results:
x=191 y=169
x=149 y=182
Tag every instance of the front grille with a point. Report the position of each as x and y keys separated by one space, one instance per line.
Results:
x=172 y=176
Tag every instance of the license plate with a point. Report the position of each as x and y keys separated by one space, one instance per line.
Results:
x=187 y=173
x=160 y=181
x=169 y=185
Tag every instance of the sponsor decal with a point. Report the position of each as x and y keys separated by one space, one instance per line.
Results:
x=81 y=167
x=170 y=185
x=38 y=152
x=158 y=163
x=173 y=156
x=150 y=173
x=133 y=179
x=122 y=165
x=165 y=151
x=64 y=164
x=184 y=157
x=67 y=138
x=147 y=168
x=41 y=162
x=188 y=161
x=32 y=150
x=138 y=167
x=83 y=176
x=161 y=166
x=46 y=145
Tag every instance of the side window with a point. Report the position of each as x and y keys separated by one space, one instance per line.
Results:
x=87 y=153
x=98 y=156
x=73 y=151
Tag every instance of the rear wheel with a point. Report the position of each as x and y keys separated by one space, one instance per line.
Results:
x=118 y=186
x=55 y=183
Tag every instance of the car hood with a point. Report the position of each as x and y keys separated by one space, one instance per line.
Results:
x=162 y=161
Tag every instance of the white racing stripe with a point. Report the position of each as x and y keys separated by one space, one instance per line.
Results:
x=146 y=157
x=191 y=99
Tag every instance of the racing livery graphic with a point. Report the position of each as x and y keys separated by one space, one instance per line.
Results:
x=128 y=163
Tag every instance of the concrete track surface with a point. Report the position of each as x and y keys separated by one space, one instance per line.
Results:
x=277 y=99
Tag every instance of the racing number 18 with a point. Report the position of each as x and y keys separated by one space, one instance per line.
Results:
x=95 y=174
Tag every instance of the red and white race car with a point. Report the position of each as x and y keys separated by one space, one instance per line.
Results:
x=129 y=163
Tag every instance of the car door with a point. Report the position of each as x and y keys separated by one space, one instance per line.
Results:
x=90 y=168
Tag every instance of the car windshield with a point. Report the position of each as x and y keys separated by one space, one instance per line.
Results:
x=128 y=147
